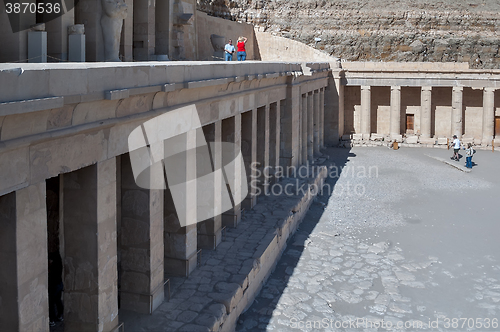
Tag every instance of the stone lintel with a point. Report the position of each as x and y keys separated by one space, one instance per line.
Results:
x=30 y=105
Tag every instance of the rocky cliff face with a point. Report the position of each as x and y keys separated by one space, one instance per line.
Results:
x=379 y=30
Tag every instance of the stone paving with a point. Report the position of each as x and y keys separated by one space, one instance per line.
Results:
x=416 y=245
x=229 y=276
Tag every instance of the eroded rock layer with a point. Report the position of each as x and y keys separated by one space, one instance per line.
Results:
x=379 y=30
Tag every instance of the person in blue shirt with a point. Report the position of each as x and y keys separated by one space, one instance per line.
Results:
x=229 y=50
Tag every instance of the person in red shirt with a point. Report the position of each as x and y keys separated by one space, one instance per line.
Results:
x=240 y=47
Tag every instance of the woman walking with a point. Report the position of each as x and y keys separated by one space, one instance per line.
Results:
x=240 y=46
x=469 y=152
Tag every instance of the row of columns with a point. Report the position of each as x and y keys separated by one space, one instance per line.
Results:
x=118 y=240
x=312 y=129
x=426 y=112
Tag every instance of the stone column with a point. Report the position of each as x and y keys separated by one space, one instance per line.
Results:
x=141 y=242
x=365 y=112
x=488 y=115
x=209 y=231
x=456 y=112
x=249 y=151
x=426 y=111
x=333 y=109
x=303 y=130
x=395 y=112
x=180 y=240
x=316 y=123
x=273 y=141
x=322 y=118
x=231 y=133
x=23 y=258
x=310 y=127
x=278 y=133
x=90 y=249
x=263 y=146
x=291 y=126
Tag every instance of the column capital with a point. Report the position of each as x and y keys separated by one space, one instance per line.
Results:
x=489 y=89
x=365 y=87
x=426 y=88
x=458 y=88
x=395 y=87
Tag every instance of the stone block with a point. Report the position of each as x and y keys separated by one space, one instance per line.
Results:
x=428 y=141
x=66 y=154
x=376 y=137
x=442 y=141
x=15 y=169
x=30 y=105
x=412 y=140
x=357 y=137
x=346 y=137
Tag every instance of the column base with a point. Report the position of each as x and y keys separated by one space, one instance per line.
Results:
x=142 y=303
x=180 y=267
x=209 y=241
x=232 y=217
x=249 y=202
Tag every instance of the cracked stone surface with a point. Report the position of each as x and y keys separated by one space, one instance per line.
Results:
x=417 y=244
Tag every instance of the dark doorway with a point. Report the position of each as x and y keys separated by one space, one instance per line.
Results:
x=410 y=123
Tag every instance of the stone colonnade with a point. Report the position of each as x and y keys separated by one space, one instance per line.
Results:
x=373 y=123
x=118 y=241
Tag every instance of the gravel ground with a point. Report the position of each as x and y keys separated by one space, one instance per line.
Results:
x=413 y=241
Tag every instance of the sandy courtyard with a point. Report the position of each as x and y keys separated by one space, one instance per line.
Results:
x=412 y=245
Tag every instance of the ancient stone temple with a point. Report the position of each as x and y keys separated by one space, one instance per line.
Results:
x=68 y=180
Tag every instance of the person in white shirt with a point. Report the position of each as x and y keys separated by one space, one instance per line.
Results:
x=229 y=50
x=456 y=147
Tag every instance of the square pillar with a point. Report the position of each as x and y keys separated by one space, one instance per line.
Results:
x=273 y=140
x=456 y=111
x=290 y=124
x=488 y=115
x=310 y=127
x=90 y=248
x=322 y=118
x=426 y=111
x=263 y=148
x=395 y=112
x=333 y=117
x=303 y=130
x=249 y=151
x=181 y=241
x=316 y=124
x=231 y=133
x=141 y=242
x=37 y=46
x=209 y=231
x=23 y=257
x=278 y=134
x=365 y=111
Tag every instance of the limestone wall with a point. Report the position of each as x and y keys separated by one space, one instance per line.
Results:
x=210 y=25
x=276 y=48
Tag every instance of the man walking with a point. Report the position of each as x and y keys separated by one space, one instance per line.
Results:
x=456 y=147
x=229 y=50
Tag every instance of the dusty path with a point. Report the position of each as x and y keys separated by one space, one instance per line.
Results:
x=417 y=242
